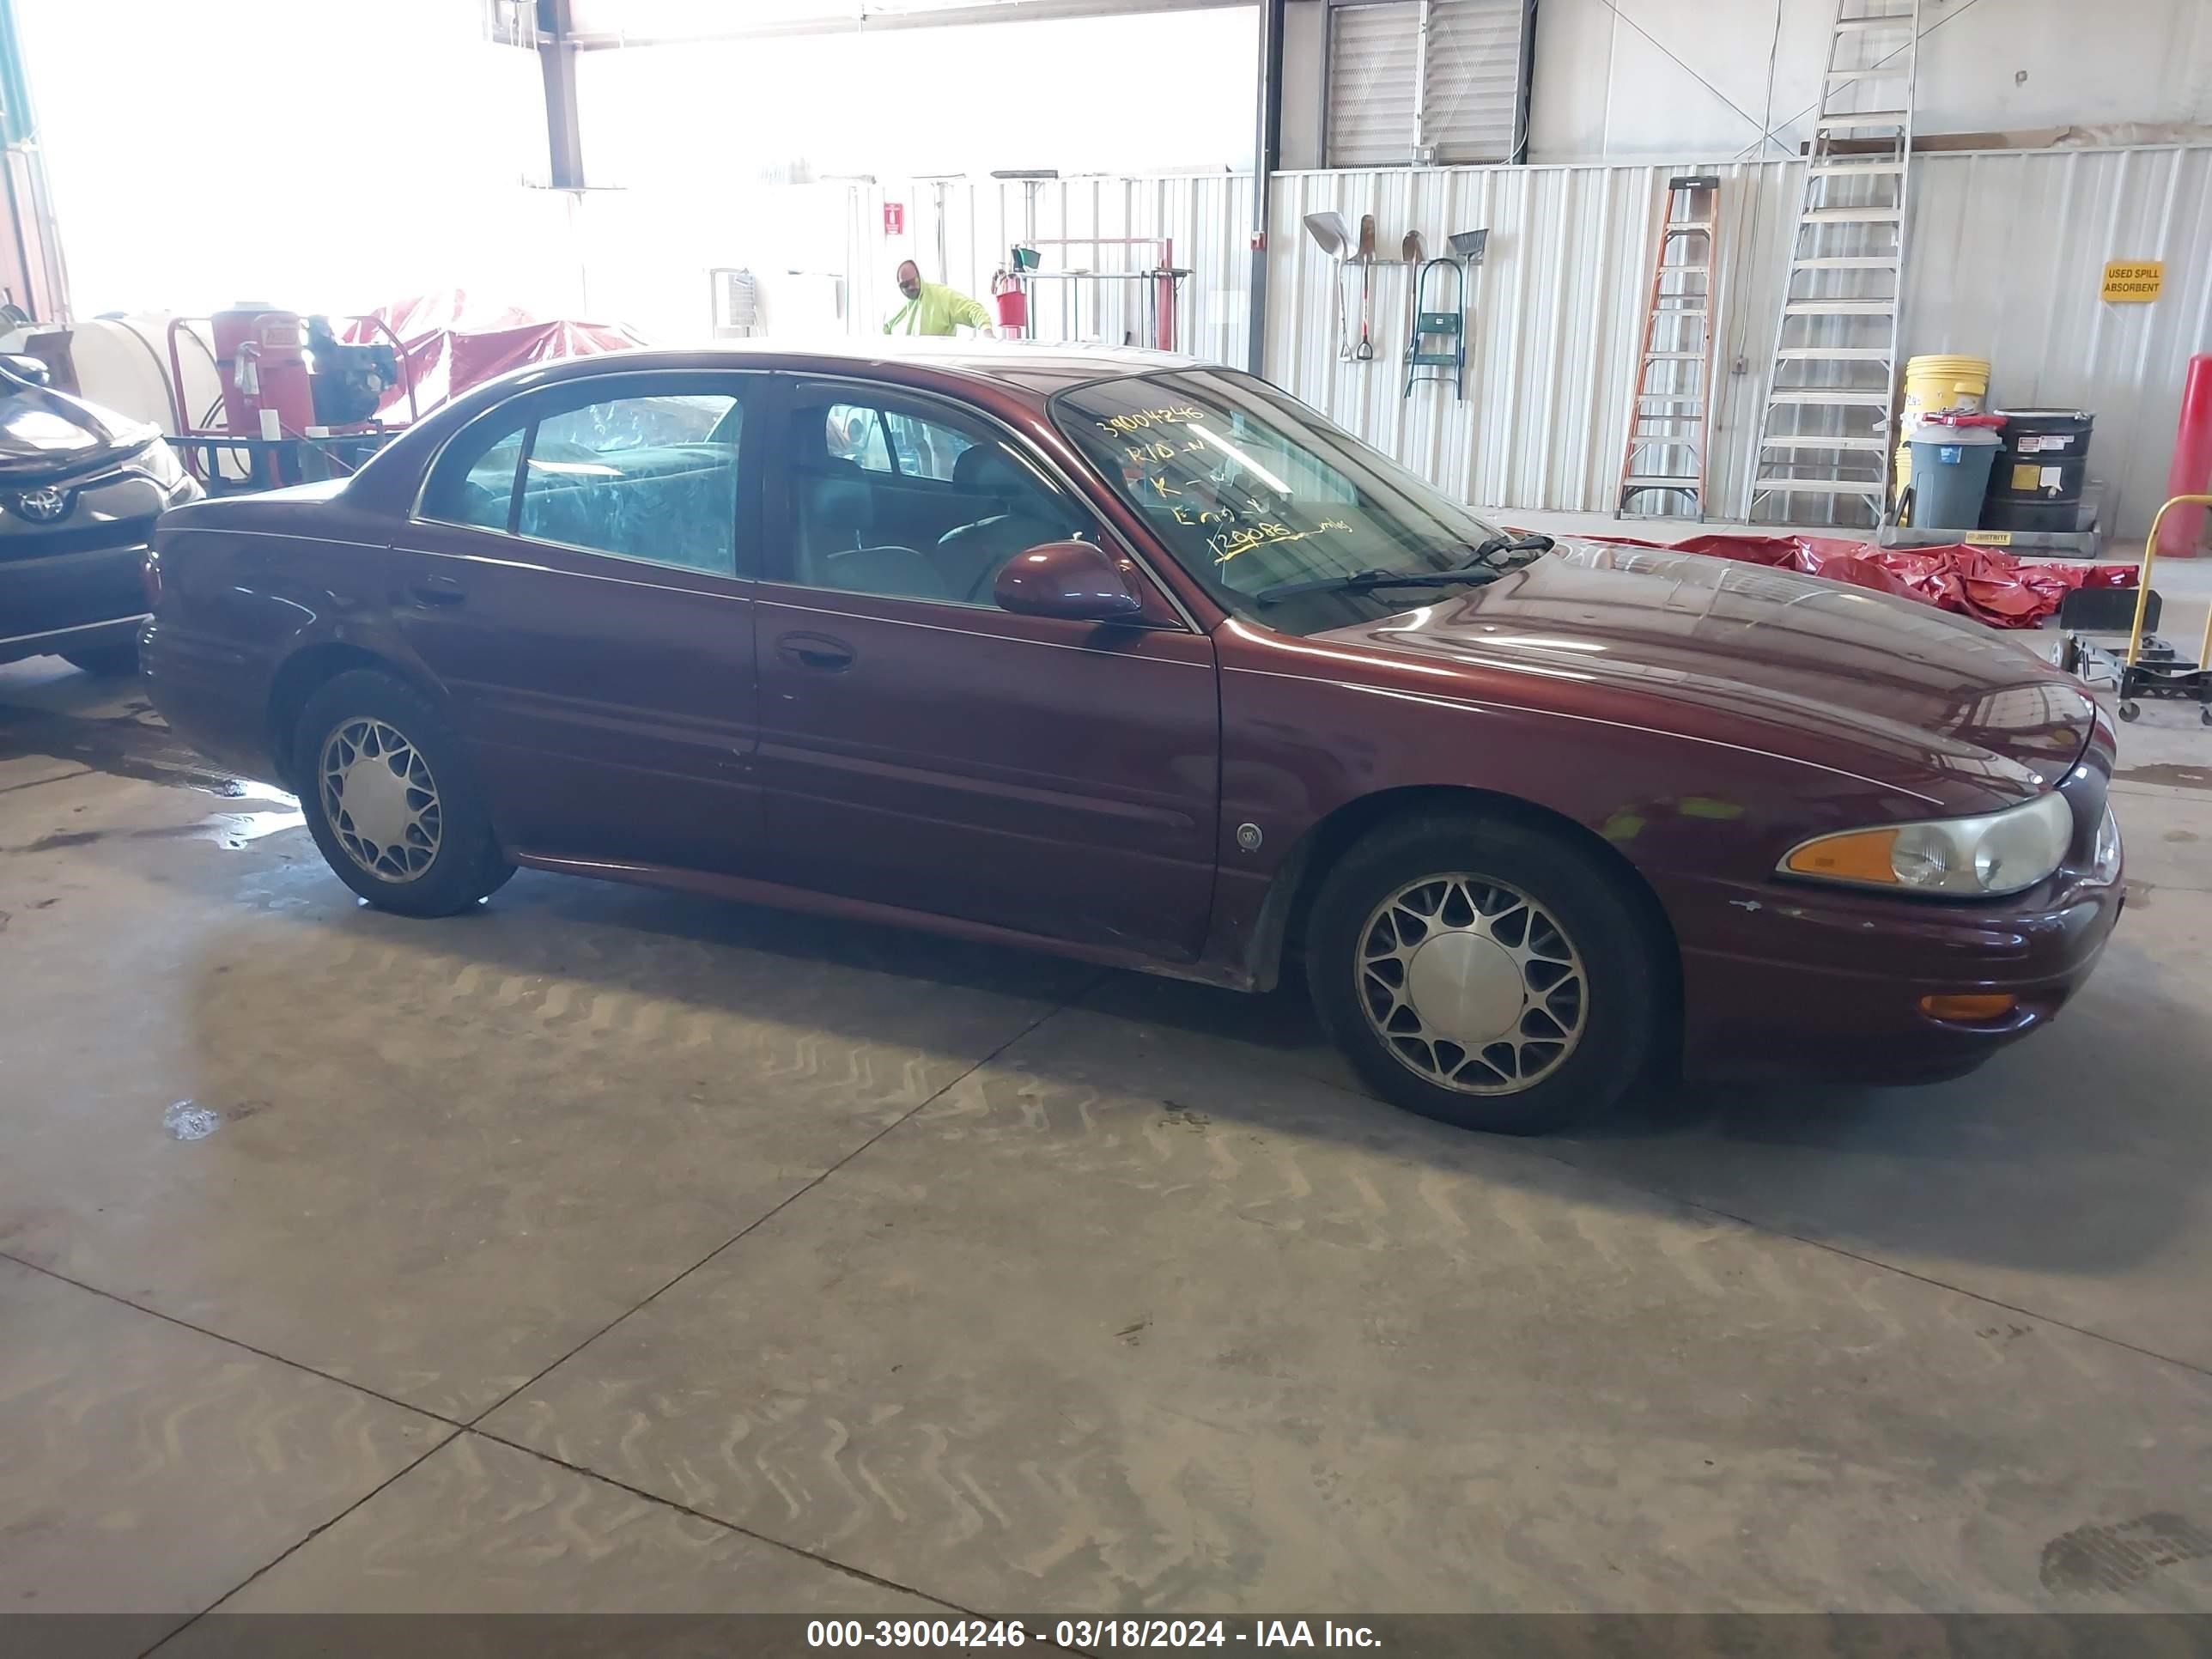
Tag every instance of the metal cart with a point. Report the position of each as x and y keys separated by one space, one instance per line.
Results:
x=2150 y=669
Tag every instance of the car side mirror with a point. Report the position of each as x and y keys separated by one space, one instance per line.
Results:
x=1076 y=581
x=27 y=368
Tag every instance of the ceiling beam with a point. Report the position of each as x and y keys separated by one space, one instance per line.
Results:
x=864 y=19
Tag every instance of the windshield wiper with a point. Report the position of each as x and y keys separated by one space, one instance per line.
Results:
x=1366 y=581
x=1475 y=567
x=1483 y=552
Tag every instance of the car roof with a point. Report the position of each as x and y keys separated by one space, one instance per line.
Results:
x=1032 y=364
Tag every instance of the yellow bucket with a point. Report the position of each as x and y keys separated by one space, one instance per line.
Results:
x=1941 y=381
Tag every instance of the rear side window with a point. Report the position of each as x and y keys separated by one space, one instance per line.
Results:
x=484 y=495
x=652 y=478
x=856 y=434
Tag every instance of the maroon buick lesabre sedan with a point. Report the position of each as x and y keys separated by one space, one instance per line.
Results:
x=1134 y=658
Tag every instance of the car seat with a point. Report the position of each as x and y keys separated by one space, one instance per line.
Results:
x=969 y=558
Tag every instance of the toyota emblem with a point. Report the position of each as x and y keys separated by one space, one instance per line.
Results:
x=47 y=506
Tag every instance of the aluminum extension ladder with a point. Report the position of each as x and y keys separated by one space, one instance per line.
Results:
x=1670 y=406
x=1824 y=438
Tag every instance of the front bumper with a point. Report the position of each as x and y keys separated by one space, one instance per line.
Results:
x=1811 y=981
x=73 y=580
x=63 y=600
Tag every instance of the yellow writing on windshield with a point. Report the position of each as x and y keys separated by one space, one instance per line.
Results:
x=1115 y=426
x=1226 y=544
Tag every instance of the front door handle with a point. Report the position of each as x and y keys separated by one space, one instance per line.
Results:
x=816 y=651
x=437 y=590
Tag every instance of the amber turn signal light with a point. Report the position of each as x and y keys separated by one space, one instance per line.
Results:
x=1864 y=857
x=1975 y=1007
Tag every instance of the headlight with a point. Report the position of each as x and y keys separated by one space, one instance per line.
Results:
x=161 y=463
x=2006 y=852
x=2105 y=867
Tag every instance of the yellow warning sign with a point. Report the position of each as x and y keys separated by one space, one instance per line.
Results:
x=2133 y=282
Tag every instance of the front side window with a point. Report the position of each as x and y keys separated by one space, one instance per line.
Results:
x=1280 y=515
x=906 y=501
x=652 y=478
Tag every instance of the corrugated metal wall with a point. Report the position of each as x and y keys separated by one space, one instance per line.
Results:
x=2006 y=253
x=2004 y=262
x=1554 y=314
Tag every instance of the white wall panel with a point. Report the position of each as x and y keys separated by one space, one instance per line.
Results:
x=1623 y=79
x=1554 y=319
x=2004 y=262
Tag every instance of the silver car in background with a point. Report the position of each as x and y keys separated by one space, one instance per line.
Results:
x=80 y=488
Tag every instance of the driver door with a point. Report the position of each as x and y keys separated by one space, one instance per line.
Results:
x=921 y=747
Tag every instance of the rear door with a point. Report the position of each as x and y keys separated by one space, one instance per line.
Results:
x=578 y=575
x=921 y=747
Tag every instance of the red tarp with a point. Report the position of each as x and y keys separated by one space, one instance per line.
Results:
x=1982 y=582
x=453 y=343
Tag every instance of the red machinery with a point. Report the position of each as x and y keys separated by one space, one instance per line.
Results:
x=2191 y=473
x=1013 y=304
x=262 y=356
x=1155 y=300
x=295 y=400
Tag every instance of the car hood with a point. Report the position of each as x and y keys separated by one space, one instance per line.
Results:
x=47 y=435
x=1838 y=663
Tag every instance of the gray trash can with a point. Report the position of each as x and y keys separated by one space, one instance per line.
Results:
x=1951 y=475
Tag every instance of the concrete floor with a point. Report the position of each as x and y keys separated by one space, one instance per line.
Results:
x=611 y=1250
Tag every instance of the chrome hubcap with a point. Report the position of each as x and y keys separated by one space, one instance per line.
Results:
x=381 y=800
x=1471 y=984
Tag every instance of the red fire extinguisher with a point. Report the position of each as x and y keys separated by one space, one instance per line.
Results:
x=1012 y=301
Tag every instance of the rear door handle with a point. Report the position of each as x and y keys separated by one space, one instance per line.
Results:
x=437 y=590
x=817 y=651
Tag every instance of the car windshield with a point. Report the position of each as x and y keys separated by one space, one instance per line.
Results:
x=1282 y=516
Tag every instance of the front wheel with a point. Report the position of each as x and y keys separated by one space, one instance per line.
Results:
x=391 y=800
x=1478 y=971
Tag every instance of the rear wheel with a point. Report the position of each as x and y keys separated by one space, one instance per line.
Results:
x=390 y=800
x=1477 y=971
x=117 y=661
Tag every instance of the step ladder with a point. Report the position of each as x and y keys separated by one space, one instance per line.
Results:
x=1824 y=438
x=1670 y=406
x=1436 y=349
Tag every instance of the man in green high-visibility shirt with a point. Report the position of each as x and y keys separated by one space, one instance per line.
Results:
x=933 y=308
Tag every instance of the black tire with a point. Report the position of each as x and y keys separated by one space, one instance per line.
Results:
x=119 y=661
x=1566 y=894
x=462 y=864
